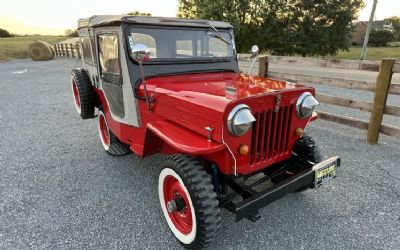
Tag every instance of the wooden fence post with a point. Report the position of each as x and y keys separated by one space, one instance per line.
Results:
x=263 y=66
x=72 y=50
x=66 y=49
x=62 y=49
x=381 y=92
x=78 y=50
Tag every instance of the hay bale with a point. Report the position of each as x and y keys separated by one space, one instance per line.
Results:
x=40 y=51
x=53 y=51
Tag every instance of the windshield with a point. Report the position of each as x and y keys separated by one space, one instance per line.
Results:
x=172 y=44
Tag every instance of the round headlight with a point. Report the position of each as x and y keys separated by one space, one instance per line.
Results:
x=305 y=105
x=240 y=120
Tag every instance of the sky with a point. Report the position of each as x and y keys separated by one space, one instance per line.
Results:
x=54 y=17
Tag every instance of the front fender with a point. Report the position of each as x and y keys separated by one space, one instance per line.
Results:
x=180 y=139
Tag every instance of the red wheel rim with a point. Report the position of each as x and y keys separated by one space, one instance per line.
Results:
x=105 y=135
x=183 y=221
x=76 y=95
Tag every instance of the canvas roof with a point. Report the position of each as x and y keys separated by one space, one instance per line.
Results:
x=105 y=20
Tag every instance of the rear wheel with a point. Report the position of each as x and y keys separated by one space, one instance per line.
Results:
x=110 y=142
x=82 y=91
x=188 y=202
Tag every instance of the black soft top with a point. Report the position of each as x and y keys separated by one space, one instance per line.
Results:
x=106 y=20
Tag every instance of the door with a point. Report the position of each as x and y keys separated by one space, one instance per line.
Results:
x=110 y=72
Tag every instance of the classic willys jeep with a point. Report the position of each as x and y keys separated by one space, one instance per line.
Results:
x=173 y=86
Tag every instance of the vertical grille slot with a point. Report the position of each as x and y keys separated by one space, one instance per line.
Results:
x=262 y=135
x=270 y=134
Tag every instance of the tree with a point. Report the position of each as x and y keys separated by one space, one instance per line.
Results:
x=380 y=37
x=187 y=9
x=304 y=27
x=5 y=33
x=138 y=13
x=395 y=21
x=71 y=33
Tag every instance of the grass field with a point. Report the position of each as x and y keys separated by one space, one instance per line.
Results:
x=16 y=47
x=373 y=53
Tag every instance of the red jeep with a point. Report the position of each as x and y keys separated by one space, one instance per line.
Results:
x=173 y=86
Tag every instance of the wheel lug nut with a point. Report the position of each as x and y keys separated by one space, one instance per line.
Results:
x=171 y=206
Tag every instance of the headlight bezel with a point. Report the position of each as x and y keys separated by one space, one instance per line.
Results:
x=305 y=105
x=241 y=111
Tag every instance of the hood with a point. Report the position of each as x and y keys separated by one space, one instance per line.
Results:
x=197 y=101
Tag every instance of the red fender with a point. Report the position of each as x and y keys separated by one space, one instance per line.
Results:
x=179 y=139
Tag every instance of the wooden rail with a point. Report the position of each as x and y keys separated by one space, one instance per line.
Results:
x=323 y=63
x=382 y=87
x=68 y=50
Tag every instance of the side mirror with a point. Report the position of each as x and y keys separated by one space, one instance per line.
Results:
x=140 y=53
x=254 y=54
x=254 y=51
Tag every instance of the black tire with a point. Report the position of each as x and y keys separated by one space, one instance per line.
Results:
x=197 y=182
x=82 y=91
x=111 y=144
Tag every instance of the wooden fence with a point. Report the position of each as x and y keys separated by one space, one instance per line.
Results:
x=382 y=87
x=68 y=49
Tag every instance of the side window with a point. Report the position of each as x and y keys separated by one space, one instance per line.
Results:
x=86 y=49
x=109 y=58
x=184 y=48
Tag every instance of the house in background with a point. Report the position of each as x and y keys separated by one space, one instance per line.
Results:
x=360 y=28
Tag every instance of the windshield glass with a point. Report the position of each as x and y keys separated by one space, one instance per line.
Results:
x=170 y=44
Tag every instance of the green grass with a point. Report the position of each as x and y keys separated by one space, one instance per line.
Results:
x=16 y=47
x=373 y=53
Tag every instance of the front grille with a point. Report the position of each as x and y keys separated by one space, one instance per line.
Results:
x=270 y=138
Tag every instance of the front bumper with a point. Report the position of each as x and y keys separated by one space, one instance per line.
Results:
x=254 y=200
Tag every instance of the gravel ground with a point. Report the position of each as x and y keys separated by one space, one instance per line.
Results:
x=60 y=190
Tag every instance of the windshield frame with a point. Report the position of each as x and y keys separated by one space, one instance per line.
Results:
x=131 y=28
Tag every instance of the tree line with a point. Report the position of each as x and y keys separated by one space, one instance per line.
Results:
x=5 y=33
x=295 y=27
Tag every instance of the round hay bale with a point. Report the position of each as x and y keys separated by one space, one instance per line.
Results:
x=40 y=51
x=53 y=52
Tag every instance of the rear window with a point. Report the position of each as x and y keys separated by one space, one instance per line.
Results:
x=86 y=49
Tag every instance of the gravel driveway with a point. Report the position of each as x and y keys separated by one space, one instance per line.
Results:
x=60 y=190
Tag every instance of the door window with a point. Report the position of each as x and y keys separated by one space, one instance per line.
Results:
x=110 y=69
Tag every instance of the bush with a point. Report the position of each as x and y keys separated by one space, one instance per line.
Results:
x=5 y=33
x=380 y=38
x=71 y=33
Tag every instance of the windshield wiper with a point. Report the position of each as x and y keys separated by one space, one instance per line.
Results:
x=218 y=35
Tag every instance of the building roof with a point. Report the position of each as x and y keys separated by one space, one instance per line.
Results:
x=105 y=20
x=378 y=24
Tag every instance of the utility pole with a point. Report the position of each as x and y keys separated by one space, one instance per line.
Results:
x=371 y=19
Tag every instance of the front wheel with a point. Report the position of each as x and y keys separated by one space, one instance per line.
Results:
x=110 y=142
x=188 y=202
